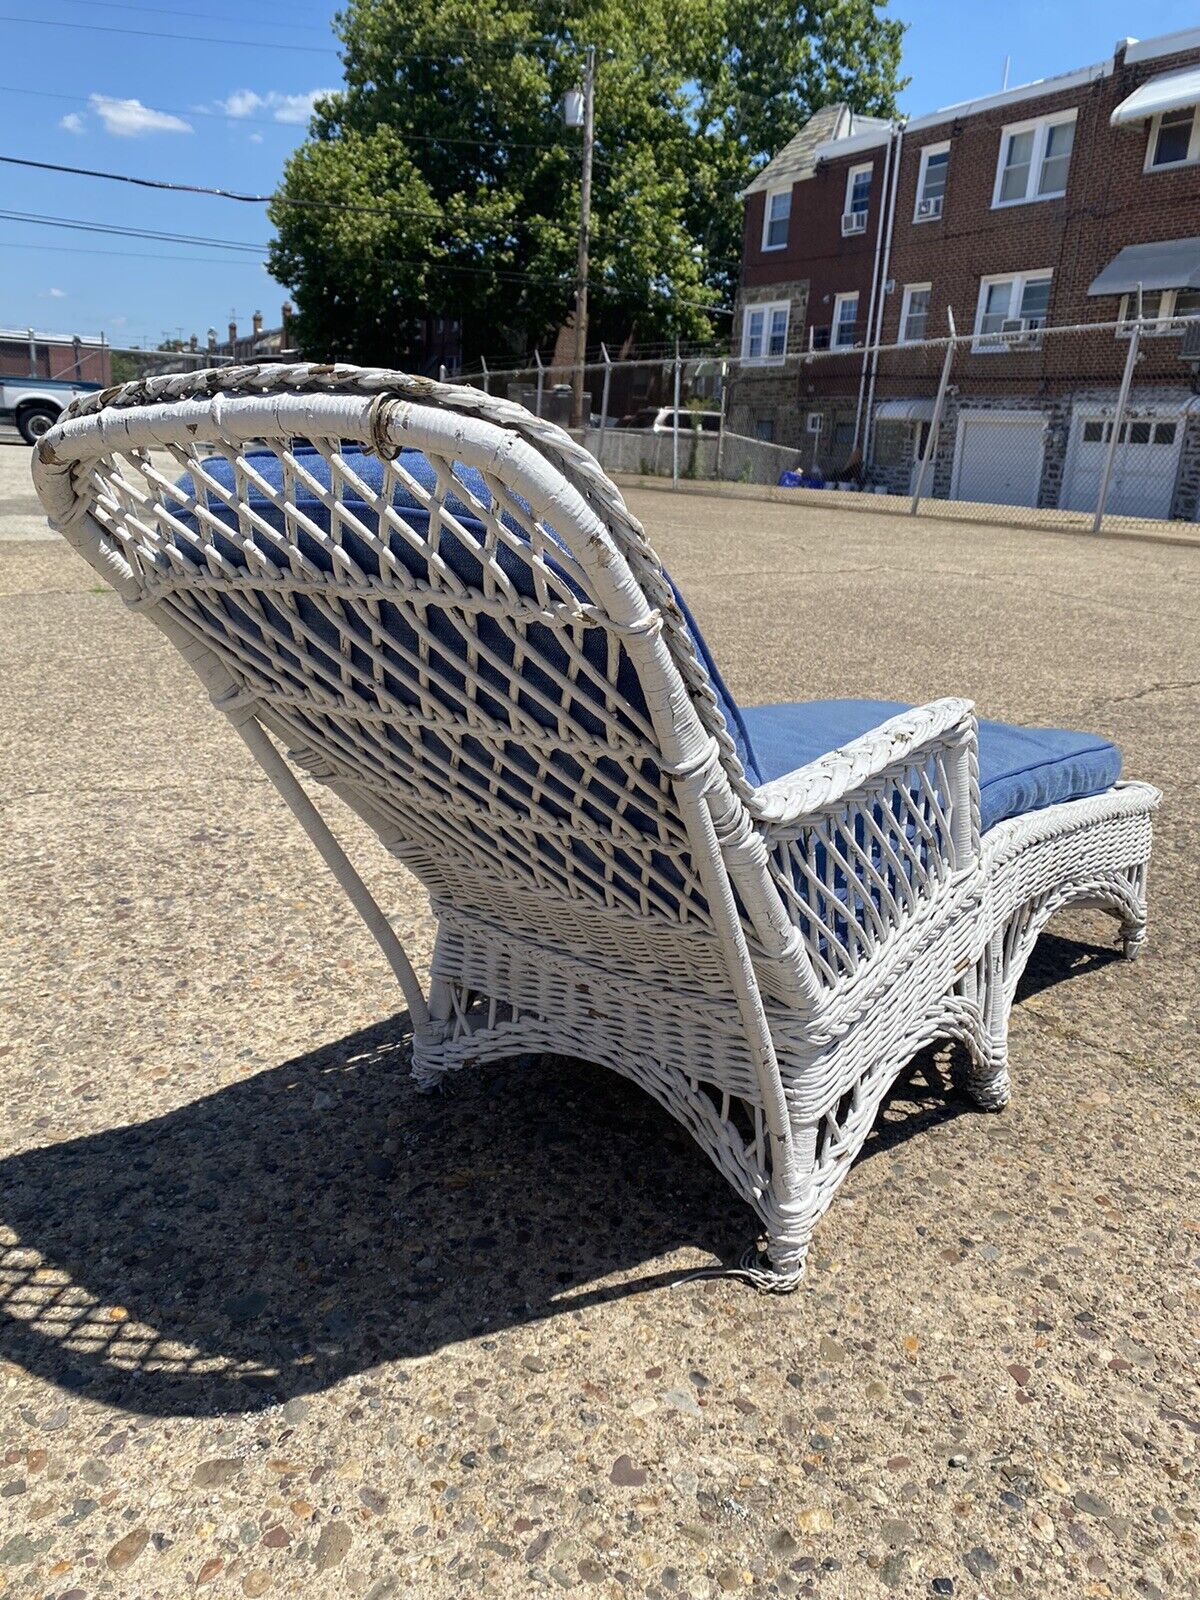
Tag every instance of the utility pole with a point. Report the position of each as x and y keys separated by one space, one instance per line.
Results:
x=585 y=221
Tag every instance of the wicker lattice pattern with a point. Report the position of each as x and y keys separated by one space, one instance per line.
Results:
x=474 y=645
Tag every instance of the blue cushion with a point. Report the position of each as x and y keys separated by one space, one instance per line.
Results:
x=1020 y=769
x=370 y=469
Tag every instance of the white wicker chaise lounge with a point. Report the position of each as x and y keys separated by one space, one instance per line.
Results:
x=441 y=608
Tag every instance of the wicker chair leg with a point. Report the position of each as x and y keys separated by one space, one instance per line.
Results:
x=1133 y=914
x=987 y=1081
x=788 y=1235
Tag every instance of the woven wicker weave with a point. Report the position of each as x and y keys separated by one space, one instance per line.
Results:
x=608 y=882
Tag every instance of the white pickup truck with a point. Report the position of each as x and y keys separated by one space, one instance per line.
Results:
x=34 y=404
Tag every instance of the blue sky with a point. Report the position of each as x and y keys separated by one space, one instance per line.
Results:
x=140 y=99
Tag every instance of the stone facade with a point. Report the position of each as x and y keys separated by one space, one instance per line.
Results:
x=762 y=400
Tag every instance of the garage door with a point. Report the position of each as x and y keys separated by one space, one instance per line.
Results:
x=999 y=458
x=1144 y=467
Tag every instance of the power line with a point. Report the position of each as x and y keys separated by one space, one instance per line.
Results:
x=75 y=224
x=181 y=38
x=123 y=255
x=221 y=194
x=247 y=250
x=191 y=15
x=482 y=49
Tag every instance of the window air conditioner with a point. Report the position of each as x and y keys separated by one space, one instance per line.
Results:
x=1017 y=333
x=929 y=210
x=853 y=222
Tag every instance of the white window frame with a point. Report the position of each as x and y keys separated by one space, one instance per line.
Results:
x=1193 y=154
x=1040 y=128
x=857 y=172
x=839 y=300
x=776 y=194
x=905 y=306
x=768 y=309
x=1165 y=325
x=991 y=344
x=927 y=153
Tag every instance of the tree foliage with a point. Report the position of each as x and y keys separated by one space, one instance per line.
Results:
x=447 y=140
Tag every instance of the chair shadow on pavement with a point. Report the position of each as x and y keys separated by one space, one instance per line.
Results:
x=321 y=1217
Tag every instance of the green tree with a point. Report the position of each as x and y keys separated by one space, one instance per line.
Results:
x=447 y=141
x=769 y=64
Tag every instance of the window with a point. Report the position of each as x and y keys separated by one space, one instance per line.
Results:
x=1100 y=432
x=764 y=332
x=931 y=182
x=1174 y=139
x=858 y=189
x=1162 y=311
x=1034 y=157
x=914 y=312
x=1024 y=297
x=845 y=321
x=764 y=429
x=776 y=215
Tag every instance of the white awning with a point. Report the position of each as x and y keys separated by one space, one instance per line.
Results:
x=904 y=411
x=1171 y=91
x=1170 y=264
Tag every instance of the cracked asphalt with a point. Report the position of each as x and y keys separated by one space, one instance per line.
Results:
x=271 y=1323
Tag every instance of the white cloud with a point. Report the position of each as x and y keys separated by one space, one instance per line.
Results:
x=128 y=119
x=282 y=107
x=72 y=122
x=297 y=107
x=52 y=294
x=241 y=103
x=255 y=138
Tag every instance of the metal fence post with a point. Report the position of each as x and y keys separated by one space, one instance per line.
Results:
x=1135 y=335
x=441 y=372
x=721 y=422
x=484 y=368
x=604 y=392
x=541 y=379
x=675 y=421
x=935 y=422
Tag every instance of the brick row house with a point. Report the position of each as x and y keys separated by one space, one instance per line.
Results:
x=1065 y=202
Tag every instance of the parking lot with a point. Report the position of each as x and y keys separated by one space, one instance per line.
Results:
x=275 y=1323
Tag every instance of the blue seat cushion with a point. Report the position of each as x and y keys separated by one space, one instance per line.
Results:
x=1020 y=769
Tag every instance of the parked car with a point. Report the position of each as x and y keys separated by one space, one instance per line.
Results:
x=35 y=404
x=661 y=419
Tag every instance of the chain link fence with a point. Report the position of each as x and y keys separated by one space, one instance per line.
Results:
x=1089 y=426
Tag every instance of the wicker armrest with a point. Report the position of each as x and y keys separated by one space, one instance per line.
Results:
x=829 y=780
x=863 y=842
